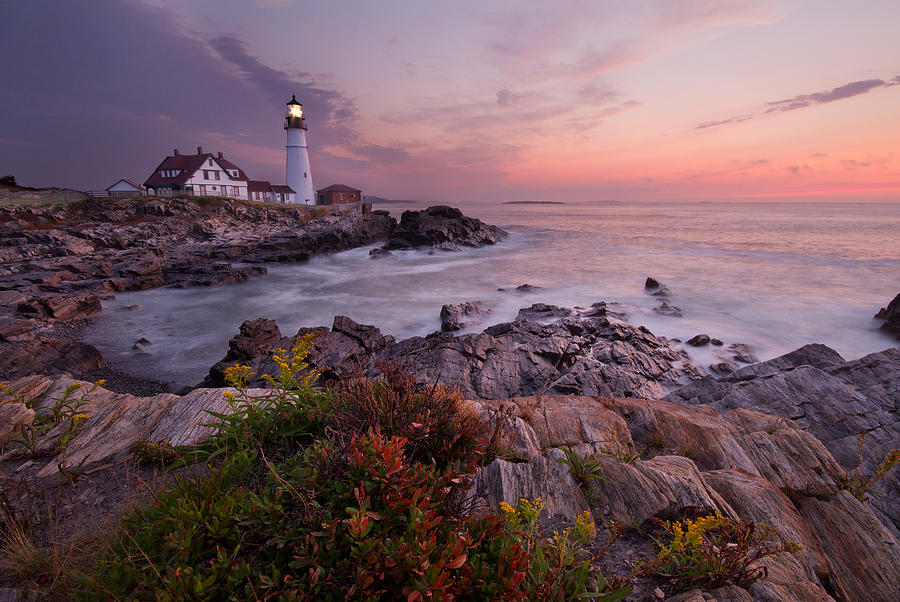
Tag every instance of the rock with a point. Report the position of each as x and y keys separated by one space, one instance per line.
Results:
x=741 y=353
x=62 y=307
x=667 y=309
x=543 y=477
x=442 y=227
x=458 y=316
x=656 y=288
x=543 y=311
x=863 y=556
x=603 y=309
x=525 y=288
x=716 y=342
x=835 y=400
x=573 y=355
x=722 y=368
x=16 y=330
x=699 y=340
x=377 y=253
x=891 y=316
x=49 y=356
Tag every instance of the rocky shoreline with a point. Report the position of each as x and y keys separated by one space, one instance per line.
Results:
x=770 y=441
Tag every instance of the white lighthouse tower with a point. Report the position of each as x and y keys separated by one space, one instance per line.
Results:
x=297 y=173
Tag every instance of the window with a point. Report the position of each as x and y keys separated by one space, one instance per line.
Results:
x=234 y=173
x=304 y=174
x=215 y=173
x=342 y=196
x=205 y=174
x=210 y=161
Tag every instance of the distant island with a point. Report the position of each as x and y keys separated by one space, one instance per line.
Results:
x=377 y=199
x=533 y=203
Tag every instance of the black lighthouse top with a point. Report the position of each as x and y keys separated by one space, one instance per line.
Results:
x=294 y=118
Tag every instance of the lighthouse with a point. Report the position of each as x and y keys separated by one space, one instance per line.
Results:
x=297 y=173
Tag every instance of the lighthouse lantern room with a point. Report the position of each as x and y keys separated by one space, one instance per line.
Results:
x=297 y=172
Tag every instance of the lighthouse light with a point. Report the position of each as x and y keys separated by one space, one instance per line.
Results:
x=296 y=111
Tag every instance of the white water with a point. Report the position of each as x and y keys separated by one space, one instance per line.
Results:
x=774 y=276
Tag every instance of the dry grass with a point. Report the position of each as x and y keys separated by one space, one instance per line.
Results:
x=43 y=559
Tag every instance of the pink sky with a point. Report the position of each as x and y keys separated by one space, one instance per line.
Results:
x=510 y=100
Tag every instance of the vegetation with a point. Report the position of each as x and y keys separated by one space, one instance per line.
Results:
x=353 y=493
x=621 y=450
x=860 y=484
x=583 y=470
x=713 y=551
x=52 y=428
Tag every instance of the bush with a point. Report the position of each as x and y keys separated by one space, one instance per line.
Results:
x=713 y=551
x=351 y=493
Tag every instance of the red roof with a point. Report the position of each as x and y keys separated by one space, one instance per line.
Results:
x=188 y=166
x=258 y=186
x=337 y=188
x=282 y=188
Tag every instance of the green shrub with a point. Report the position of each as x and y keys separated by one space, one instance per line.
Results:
x=351 y=493
x=713 y=551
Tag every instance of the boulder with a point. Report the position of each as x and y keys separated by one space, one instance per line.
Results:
x=460 y=315
x=699 y=340
x=49 y=356
x=891 y=316
x=442 y=227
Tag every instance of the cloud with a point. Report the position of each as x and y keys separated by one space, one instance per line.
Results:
x=802 y=101
x=506 y=98
x=713 y=124
x=841 y=92
x=851 y=164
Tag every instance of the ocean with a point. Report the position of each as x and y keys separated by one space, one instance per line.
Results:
x=774 y=276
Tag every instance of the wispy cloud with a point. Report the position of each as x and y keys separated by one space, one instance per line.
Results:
x=841 y=92
x=802 y=101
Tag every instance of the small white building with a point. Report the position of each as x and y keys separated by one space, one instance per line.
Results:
x=264 y=192
x=201 y=174
x=124 y=188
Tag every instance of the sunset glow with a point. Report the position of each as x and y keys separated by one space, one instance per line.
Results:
x=469 y=100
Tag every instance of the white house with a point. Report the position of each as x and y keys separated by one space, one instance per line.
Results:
x=263 y=191
x=125 y=187
x=200 y=174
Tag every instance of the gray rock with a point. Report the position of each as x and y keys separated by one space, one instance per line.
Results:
x=459 y=315
x=443 y=228
x=699 y=340
x=891 y=316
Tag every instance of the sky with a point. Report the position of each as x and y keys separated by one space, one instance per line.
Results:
x=466 y=100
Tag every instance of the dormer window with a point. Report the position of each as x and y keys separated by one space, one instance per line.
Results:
x=210 y=162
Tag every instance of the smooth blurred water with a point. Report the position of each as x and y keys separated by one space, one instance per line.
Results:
x=772 y=275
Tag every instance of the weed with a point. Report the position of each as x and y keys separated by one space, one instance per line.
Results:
x=860 y=484
x=154 y=452
x=771 y=430
x=560 y=565
x=621 y=450
x=583 y=470
x=657 y=441
x=713 y=551
x=689 y=452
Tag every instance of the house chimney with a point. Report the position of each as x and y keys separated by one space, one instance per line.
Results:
x=220 y=155
x=176 y=152
x=199 y=150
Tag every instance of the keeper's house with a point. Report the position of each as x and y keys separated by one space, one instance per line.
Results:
x=338 y=194
x=200 y=174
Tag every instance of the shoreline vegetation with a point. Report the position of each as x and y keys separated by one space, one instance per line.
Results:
x=563 y=454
